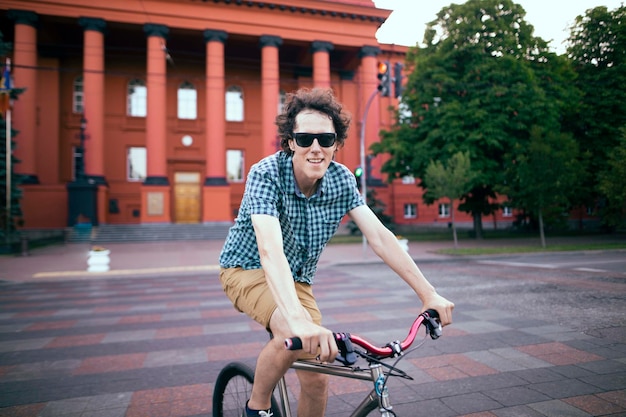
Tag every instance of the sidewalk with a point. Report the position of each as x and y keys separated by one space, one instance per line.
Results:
x=140 y=258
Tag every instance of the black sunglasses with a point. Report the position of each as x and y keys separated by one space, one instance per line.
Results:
x=326 y=140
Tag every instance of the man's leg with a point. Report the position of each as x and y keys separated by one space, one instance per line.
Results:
x=313 y=394
x=272 y=363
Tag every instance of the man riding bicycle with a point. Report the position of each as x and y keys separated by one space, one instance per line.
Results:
x=293 y=203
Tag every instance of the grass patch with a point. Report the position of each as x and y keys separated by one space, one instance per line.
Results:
x=498 y=250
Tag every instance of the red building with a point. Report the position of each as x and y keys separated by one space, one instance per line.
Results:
x=172 y=101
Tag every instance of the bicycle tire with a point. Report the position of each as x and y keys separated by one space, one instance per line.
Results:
x=233 y=387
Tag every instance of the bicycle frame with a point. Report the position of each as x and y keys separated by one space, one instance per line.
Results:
x=375 y=374
x=234 y=383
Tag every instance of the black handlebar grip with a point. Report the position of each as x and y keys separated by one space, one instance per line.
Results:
x=293 y=343
x=432 y=313
x=433 y=324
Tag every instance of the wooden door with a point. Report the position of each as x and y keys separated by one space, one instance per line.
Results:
x=187 y=197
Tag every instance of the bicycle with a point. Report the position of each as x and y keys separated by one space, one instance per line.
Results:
x=234 y=382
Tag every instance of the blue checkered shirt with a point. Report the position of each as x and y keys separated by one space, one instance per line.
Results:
x=307 y=224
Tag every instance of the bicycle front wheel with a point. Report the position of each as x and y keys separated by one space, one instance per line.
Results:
x=232 y=390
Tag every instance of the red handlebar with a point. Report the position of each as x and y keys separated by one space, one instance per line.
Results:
x=428 y=318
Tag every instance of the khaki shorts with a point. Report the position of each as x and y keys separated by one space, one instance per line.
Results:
x=250 y=294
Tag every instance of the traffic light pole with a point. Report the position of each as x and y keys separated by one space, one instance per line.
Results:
x=363 y=166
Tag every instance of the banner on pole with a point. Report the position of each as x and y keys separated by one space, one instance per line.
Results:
x=6 y=85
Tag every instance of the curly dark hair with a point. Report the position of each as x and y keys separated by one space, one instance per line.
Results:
x=319 y=99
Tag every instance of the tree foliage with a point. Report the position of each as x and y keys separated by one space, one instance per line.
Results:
x=479 y=84
x=598 y=52
x=450 y=181
x=543 y=175
x=613 y=186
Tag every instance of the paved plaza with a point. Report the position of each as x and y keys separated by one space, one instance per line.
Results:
x=149 y=337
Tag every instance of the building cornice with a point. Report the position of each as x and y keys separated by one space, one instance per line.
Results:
x=337 y=10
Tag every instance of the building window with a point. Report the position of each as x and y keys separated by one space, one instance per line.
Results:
x=410 y=211
x=137 y=98
x=282 y=97
x=76 y=161
x=234 y=104
x=78 y=97
x=234 y=165
x=136 y=163
x=444 y=210
x=187 y=101
x=507 y=211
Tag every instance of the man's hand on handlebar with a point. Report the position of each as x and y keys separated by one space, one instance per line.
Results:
x=316 y=340
x=442 y=306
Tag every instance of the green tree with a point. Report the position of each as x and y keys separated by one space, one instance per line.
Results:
x=478 y=86
x=597 y=48
x=543 y=175
x=612 y=185
x=450 y=181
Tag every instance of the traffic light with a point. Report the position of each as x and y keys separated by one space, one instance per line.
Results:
x=397 y=79
x=384 y=77
x=358 y=173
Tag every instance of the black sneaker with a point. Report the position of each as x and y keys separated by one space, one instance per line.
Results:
x=253 y=413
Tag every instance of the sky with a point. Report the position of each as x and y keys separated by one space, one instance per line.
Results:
x=550 y=18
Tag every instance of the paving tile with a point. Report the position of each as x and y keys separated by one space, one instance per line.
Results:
x=24 y=344
x=615 y=397
x=537 y=375
x=559 y=389
x=608 y=382
x=495 y=361
x=140 y=318
x=244 y=350
x=175 y=357
x=559 y=354
x=479 y=327
x=129 y=336
x=594 y=405
x=517 y=411
x=50 y=325
x=556 y=408
x=80 y=340
x=12 y=328
x=512 y=396
x=95 y=365
x=183 y=331
x=182 y=315
x=37 y=370
x=172 y=402
x=446 y=367
x=28 y=410
x=604 y=367
x=471 y=403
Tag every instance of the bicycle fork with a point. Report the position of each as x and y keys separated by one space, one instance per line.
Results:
x=380 y=389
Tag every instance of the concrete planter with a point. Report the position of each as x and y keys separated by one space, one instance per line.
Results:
x=98 y=260
x=404 y=243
